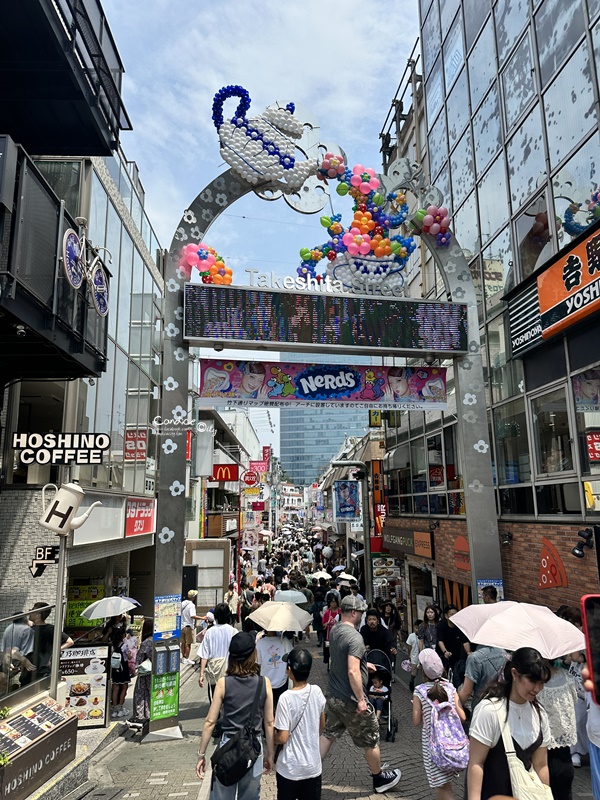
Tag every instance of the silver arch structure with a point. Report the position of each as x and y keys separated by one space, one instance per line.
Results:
x=473 y=435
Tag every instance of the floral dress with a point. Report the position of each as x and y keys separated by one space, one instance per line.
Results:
x=141 y=693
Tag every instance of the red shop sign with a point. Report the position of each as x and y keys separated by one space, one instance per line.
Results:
x=140 y=516
x=593 y=446
x=258 y=506
x=136 y=444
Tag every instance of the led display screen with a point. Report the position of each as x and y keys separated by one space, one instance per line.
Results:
x=290 y=321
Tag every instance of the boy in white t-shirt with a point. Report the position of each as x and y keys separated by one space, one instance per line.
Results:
x=412 y=640
x=299 y=719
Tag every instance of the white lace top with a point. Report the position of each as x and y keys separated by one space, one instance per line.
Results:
x=558 y=697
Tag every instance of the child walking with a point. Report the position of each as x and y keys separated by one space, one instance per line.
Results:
x=430 y=702
x=412 y=640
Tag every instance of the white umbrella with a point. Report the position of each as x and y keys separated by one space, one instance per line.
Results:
x=109 y=607
x=339 y=569
x=513 y=625
x=343 y=576
x=321 y=574
x=289 y=596
x=277 y=616
x=265 y=533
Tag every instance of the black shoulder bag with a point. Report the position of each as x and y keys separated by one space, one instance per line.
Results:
x=237 y=756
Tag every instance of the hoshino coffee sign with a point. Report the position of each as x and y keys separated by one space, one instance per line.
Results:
x=61 y=448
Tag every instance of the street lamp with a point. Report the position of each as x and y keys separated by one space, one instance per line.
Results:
x=366 y=523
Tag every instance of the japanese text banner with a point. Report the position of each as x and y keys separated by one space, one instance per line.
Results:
x=264 y=383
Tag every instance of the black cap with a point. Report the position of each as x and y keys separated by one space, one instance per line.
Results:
x=299 y=661
x=242 y=645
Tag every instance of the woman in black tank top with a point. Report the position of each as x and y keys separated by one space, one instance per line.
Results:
x=235 y=694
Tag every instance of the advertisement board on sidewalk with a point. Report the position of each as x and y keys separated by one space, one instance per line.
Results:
x=164 y=696
x=86 y=671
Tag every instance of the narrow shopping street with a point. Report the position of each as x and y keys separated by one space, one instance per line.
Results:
x=129 y=769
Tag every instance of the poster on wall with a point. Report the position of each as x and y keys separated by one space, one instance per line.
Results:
x=586 y=390
x=258 y=383
x=167 y=616
x=497 y=584
x=346 y=499
x=86 y=671
x=78 y=599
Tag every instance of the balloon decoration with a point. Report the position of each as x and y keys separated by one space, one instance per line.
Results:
x=366 y=249
x=261 y=149
x=207 y=261
x=574 y=228
x=436 y=222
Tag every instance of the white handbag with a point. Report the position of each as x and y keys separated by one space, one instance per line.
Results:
x=526 y=784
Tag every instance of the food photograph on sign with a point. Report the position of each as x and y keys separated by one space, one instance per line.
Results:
x=223 y=381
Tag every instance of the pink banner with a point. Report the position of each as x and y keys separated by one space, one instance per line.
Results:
x=265 y=383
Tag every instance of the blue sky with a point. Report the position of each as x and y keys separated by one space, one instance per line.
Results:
x=340 y=59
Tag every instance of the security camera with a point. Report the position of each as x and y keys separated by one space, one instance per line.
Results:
x=218 y=347
x=21 y=331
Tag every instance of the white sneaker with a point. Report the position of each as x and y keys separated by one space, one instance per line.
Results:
x=123 y=713
x=116 y=712
x=576 y=760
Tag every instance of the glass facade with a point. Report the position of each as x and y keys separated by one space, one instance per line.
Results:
x=512 y=141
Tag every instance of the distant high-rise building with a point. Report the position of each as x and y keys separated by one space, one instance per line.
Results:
x=310 y=437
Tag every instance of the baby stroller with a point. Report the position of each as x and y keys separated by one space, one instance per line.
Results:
x=383 y=668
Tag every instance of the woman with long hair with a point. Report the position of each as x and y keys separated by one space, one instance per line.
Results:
x=141 y=692
x=558 y=697
x=235 y=694
x=427 y=632
x=512 y=702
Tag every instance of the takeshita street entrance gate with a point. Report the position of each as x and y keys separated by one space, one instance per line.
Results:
x=263 y=159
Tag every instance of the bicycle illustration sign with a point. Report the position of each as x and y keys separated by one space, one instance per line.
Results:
x=78 y=266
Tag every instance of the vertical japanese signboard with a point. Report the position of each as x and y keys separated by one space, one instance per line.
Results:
x=86 y=672
x=164 y=696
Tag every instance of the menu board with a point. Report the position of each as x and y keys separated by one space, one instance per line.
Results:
x=164 y=696
x=86 y=671
x=385 y=567
x=167 y=616
x=30 y=725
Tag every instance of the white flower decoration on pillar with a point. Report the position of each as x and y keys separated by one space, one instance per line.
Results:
x=166 y=535
x=179 y=413
x=176 y=488
x=481 y=446
x=170 y=384
x=179 y=313
x=476 y=486
x=169 y=446
x=189 y=216
x=172 y=285
x=171 y=330
x=470 y=417
x=179 y=354
x=470 y=400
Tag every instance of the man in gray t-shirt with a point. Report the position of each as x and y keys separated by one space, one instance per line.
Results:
x=347 y=706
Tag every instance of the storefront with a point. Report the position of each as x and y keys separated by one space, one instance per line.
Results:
x=403 y=539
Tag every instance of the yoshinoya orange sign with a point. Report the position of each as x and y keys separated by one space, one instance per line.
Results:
x=569 y=290
x=225 y=472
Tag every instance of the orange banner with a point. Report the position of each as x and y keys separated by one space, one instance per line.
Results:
x=570 y=289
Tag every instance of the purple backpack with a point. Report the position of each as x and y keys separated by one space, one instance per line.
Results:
x=448 y=743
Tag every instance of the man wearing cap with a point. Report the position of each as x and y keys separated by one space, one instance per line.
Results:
x=347 y=706
x=188 y=625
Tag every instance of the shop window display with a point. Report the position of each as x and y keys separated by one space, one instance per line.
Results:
x=574 y=184
x=533 y=236
x=512 y=449
x=551 y=434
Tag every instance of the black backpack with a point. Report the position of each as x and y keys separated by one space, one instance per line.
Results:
x=237 y=756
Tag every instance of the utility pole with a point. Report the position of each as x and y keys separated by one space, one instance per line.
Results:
x=366 y=523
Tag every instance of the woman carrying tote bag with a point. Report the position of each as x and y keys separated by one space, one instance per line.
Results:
x=509 y=715
x=236 y=693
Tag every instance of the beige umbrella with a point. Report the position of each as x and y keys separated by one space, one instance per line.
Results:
x=321 y=574
x=513 y=625
x=281 y=617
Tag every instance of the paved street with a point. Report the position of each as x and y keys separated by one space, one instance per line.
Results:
x=167 y=770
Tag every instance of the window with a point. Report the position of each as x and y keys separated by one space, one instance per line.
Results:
x=506 y=375
x=568 y=122
x=448 y=9
x=434 y=92
x=63 y=177
x=474 y=12
x=493 y=200
x=418 y=466
x=431 y=39
x=454 y=54
x=498 y=268
x=465 y=221
x=482 y=64
x=551 y=434
x=453 y=471
x=533 y=236
x=516 y=501
x=457 y=109
x=593 y=9
x=438 y=145
x=512 y=450
x=125 y=273
x=586 y=396
x=97 y=220
x=486 y=130
x=526 y=163
x=561 y=498
x=435 y=462
x=558 y=25
x=576 y=182
x=518 y=86
x=510 y=16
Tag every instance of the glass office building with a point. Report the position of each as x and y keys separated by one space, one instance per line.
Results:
x=311 y=437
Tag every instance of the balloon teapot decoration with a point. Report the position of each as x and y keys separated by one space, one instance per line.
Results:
x=59 y=515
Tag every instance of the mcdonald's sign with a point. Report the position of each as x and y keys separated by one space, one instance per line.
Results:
x=225 y=472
